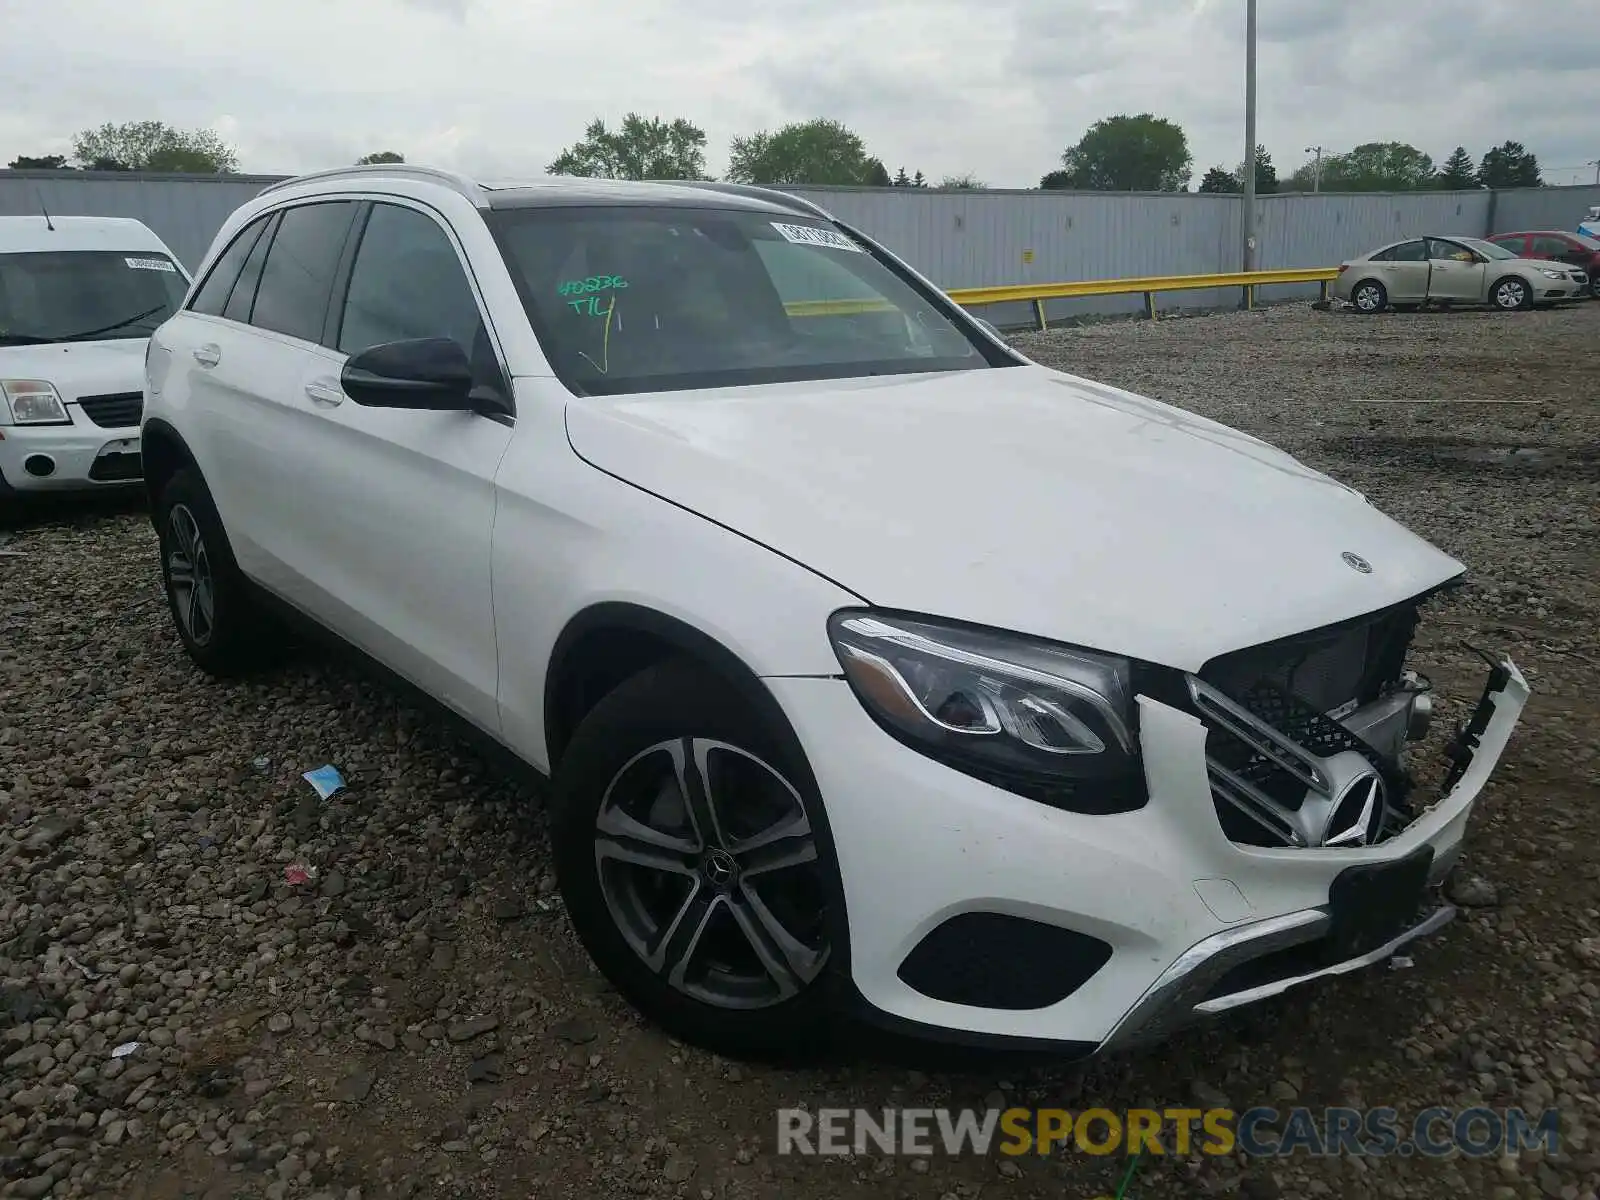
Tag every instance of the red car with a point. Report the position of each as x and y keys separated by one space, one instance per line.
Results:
x=1575 y=249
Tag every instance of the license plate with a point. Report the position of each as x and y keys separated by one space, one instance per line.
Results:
x=1371 y=904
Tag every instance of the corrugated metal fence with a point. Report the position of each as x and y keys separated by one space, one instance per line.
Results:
x=962 y=238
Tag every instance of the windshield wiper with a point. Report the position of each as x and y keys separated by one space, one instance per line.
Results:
x=24 y=339
x=93 y=333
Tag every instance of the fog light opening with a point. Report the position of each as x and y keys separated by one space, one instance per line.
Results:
x=40 y=466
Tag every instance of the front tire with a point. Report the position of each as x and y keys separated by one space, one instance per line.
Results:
x=1369 y=297
x=1511 y=293
x=216 y=617
x=692 y=862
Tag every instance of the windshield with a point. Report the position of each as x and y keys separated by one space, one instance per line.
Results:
x=1587 y=242
x=1487 y=249
x=76 y=295
x=632 y=299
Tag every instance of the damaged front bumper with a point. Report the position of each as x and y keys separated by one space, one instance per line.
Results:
x=1189 y=920
x=1380 y=898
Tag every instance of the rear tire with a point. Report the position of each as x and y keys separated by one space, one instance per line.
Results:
x=1510 y=294
x=662 y=787
x=216 y=617
x=1369 y=297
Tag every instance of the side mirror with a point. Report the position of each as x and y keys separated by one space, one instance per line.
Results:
x=423 y=373
x=991 y=327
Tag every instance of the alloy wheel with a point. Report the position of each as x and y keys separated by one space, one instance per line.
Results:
x=1512 y=293
x=1366 y=298
x=189 y=576
x=708 y=867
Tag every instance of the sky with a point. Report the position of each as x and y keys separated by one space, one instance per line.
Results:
x=994 y=88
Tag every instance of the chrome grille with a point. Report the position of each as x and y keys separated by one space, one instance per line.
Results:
x=1282 y=773
x=1283 y=769
x=118 y=410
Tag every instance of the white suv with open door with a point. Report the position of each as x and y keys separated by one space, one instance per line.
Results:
x=876 y=667
x=78 y=298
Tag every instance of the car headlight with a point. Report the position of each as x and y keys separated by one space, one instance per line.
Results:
x=1050 y=722
x=1548 y=274
x=34 y=402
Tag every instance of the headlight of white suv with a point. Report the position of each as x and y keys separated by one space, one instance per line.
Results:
x=34 y=402
x=1051 y=722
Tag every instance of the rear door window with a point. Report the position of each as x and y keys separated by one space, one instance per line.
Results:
x=212 y=297
x=297 y=279
x=1408 y=252
x=243 y=299
x=1551 y=247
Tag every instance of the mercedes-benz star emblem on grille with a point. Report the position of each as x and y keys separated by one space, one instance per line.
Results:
x=1354 y=816
x=1356 y=562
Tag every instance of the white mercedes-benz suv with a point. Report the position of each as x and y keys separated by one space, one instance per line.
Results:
x=875 y=668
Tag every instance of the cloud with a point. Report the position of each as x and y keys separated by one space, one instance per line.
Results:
x=995 y=87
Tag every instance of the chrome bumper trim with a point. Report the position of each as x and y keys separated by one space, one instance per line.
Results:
x=1175 y=999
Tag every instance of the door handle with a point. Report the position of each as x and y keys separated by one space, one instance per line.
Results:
x=324 y=392
x=207 y=355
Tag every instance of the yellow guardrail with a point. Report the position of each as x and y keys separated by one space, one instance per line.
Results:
x=1038 y=293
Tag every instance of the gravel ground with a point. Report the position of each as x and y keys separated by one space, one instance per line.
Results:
x=379 y=995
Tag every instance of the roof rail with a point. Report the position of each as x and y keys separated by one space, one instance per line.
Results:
x=458 y=183
x=771 y=195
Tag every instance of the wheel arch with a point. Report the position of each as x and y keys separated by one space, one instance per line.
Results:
x=163 y=453
x=612 y=641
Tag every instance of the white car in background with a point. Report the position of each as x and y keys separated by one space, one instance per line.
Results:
x=876 y=667
x=1453 y=270
x=78 y=299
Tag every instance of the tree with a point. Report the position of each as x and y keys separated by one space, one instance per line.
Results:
x=901 y=179
x=1056 y=181
x=380 y=156
x=966 y=181
x=1510 y=165
x=1219 y=179
x=1458 y=172
x=1373 y=167
x=918 y=181
x=878 y=174
x=819 y=151
x=641 y=148
x=1142 y=153
x=1266 y=174
x=42 y=162
x=154 y=146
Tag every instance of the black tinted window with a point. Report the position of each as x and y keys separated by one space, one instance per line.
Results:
x=213 y=294
x=407 y=282
x=1409 y=252
x=243 y=297
x=68 y=295
x=293 y=295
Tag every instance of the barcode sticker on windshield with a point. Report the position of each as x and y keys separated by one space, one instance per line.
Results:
x=150 y=264
x=810 y=235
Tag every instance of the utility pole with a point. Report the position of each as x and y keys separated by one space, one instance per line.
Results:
x=1316 y=168
x=1248 y=210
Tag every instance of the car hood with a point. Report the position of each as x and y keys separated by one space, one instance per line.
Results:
x=79 y=368
x=1023 y=499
